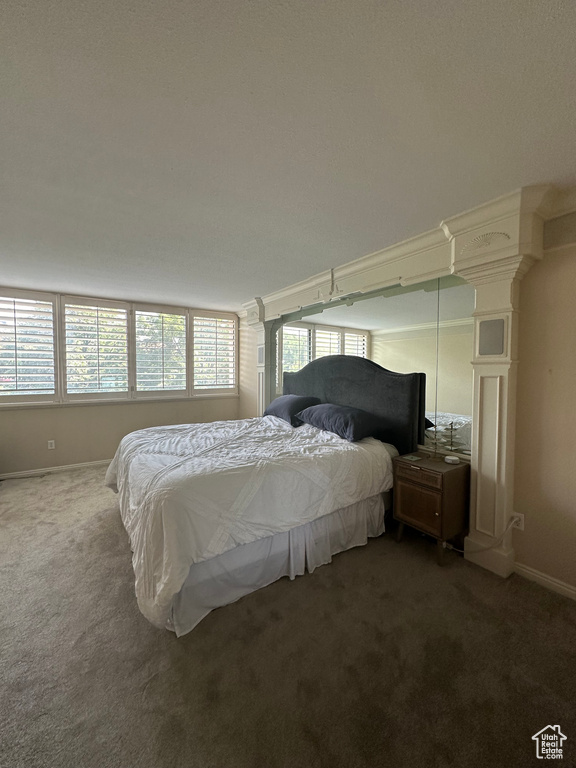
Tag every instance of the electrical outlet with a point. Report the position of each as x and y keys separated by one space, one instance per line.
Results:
x=519 y=523
x=51 y=445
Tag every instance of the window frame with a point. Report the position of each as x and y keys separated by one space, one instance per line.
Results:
x=221 y=391
x=61 y=397
x=342 y=330
x=159 y=394
x=48 y=399
x=356 y=332
x=73 y=397
x=327 y=329
x=280 y=350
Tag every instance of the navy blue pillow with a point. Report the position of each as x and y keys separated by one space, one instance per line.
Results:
x=287 y=406
x=349 y=423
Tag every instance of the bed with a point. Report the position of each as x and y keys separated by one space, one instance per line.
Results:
x=216 y=511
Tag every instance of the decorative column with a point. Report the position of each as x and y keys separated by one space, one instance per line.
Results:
x=266 y=351
x=493 y=247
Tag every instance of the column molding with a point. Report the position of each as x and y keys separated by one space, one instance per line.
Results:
x=494 y=254
x=266 y=350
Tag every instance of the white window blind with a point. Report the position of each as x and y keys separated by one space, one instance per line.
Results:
x=160 y=351
x=327 y=343
x=355 y=344
x=96 y=340
x=296 y=348
x=214 y=353
x=26 y=347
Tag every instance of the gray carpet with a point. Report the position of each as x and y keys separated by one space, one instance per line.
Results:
x=379 y=659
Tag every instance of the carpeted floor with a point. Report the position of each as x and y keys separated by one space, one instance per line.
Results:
x=379 y=659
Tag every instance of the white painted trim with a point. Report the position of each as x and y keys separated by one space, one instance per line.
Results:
x=537 y=198
x=465 y=325
x=419 y=244
x=545 y=581
x=432 y=254
x=360 y=276
x=499 y=560
x=50 y=470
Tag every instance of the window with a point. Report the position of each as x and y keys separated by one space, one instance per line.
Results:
x=214 y=353
x=299 y=344
x=27 y=350
x=327 y=343
x=296 y=348
x=355 y=344
x=59 y=349
x=96 y=349
x=160 y=351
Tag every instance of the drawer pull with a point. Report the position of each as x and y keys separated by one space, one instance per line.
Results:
x=421 y=475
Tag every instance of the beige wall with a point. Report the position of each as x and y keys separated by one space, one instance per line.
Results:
x=545 y=477
x=408 y=355
x=455 y=374
x=248 y=372
x=91 y=432
x=418 y=353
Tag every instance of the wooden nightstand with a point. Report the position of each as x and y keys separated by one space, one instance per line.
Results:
x=431 y=496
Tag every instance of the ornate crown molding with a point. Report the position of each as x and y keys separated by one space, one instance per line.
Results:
x=254 y=310
x=500 y=239
x=494 y=241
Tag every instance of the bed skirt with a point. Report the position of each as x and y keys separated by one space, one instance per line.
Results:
x=228 y=577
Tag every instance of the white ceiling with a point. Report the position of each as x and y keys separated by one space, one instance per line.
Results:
x=202 y=152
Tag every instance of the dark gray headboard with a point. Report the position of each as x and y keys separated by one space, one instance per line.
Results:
x=354 y=381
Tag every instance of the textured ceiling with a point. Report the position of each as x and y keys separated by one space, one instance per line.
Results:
x=202 y=152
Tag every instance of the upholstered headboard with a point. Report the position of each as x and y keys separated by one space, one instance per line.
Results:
x=354 y=381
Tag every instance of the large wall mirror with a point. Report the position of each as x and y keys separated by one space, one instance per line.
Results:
x=425 y=327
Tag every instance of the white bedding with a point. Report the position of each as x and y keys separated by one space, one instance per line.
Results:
x=192 y=492
x=242 y=570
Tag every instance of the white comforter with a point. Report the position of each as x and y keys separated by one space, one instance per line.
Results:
x=191 y=492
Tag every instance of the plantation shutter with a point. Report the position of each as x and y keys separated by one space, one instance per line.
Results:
x=96 y=339
x=327 y=343
x=160 y=351
x=26 y=347
x=355 y=344
x=214 y=353
x=296 y=352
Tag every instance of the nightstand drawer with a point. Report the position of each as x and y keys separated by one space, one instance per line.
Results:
x=419 y=507
x=419 y=475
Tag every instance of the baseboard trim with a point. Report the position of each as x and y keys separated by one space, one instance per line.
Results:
x=545 y=581
x=499 y=560
x=50 y=470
